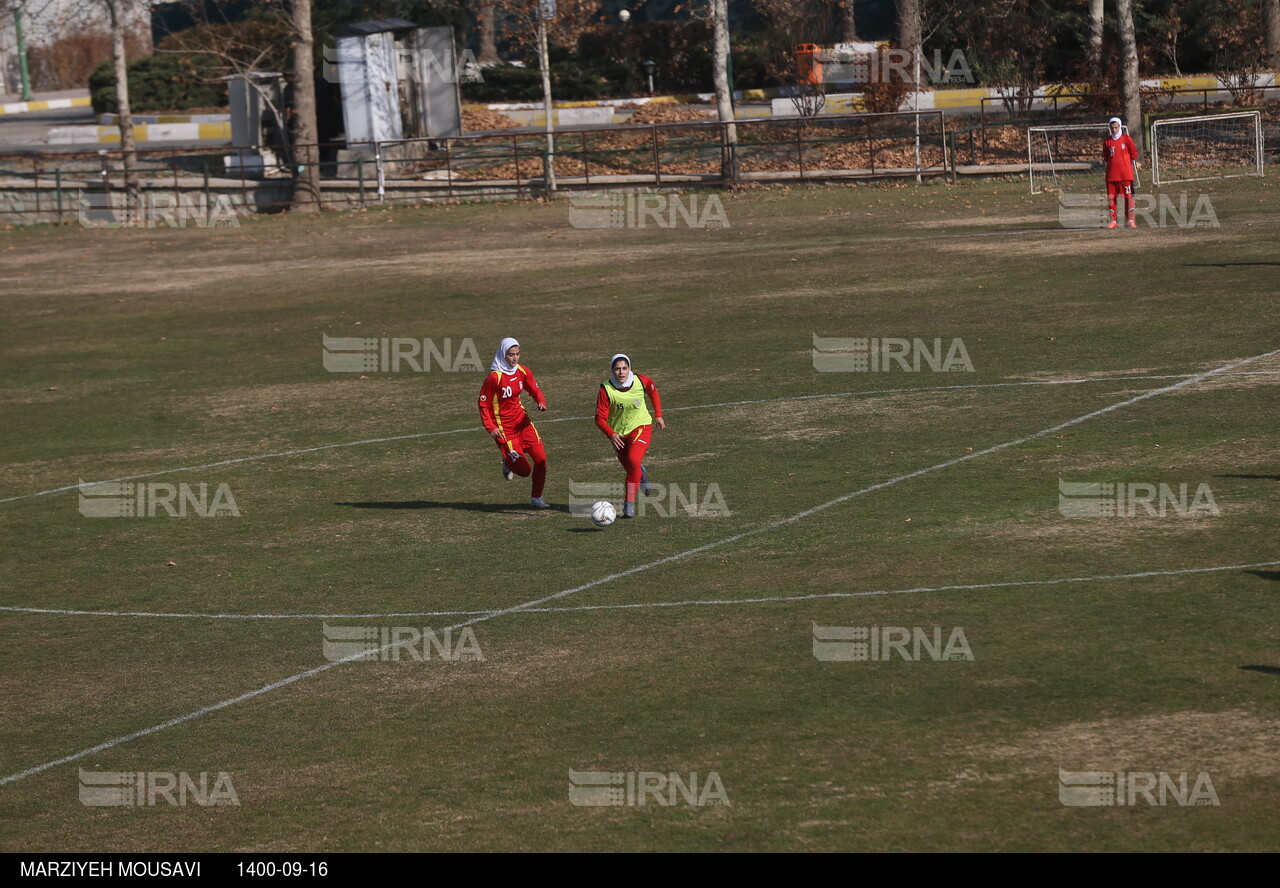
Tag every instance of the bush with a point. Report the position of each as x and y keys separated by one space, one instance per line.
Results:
x=886 y=94
x=505 y=83
x=761 y=59
x=608 y=63
x=161 y=83
x=68 y=61
x=572 y=79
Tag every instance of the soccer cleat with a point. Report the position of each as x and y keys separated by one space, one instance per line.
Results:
x=644 y=481
x=1133 y=224
x=507 y=474
x=536 y=502
x=629 y=510
x=1113 y=224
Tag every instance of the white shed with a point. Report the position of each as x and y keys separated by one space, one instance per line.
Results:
x=398 y=81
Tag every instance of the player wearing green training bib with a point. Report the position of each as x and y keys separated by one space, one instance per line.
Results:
x=625 y=420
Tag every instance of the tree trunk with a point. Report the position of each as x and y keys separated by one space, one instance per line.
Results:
x=548 y=107
x=117 y=11
x=724 y=89
x=1271 y=31
x=848 y=22
x=488 y=31
x=1130 y=97
x=1094 y=48
x=306 y=184
x=907 y=31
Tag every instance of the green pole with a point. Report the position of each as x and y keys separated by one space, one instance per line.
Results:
x=22 y=54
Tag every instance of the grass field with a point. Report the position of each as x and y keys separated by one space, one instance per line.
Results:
x=194 y=356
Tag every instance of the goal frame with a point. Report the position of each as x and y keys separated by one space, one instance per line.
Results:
x=1258 y=146
x=1099 y=128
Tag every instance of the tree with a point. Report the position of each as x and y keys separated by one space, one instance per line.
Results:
x=118 y=11
x=1094 y=48
x=255 y=43
x=306 y=185
x=1168 y=30
x=518 y=20
x=1237 y=34
x=907 y=27
x=488 y=32
x=1271 y=31
x=724 y=89
x=249 y=46
x=800 y=22
x=848 y=22
x=1130 y=96
x=1009 y=43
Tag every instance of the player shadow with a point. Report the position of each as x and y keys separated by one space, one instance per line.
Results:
x=1265 y=670
x=1266 y=574
x=465 y=507
x=1252 y=477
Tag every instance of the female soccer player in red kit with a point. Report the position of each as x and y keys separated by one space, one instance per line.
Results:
x=1121 y=157
x=504 y=418
x=622 y=416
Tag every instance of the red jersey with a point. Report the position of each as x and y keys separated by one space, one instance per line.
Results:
x=499 y=403
x=647 y=385
x=1119 y=155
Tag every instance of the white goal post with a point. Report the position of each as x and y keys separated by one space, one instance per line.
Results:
x=1211 y=146
x=1066 y=154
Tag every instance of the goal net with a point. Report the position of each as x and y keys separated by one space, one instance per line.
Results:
x=1067 y=157
x=1214 y=146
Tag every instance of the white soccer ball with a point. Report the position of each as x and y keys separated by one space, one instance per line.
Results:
x=603 y=514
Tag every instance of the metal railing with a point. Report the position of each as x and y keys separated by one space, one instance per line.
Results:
x=1021 y=108
x=53 y=187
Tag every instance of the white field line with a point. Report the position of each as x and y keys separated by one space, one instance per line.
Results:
x=647 y=604
x=898 y=391
x=536 y=602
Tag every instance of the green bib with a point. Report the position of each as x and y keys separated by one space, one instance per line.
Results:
x=627 y=410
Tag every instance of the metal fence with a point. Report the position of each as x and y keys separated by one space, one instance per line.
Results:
x=995 y=112
x=72 y=186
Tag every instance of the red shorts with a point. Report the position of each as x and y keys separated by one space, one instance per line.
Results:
x=1116 y=189
x=523 y=438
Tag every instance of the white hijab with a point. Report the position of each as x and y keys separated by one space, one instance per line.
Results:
x=500 y=358
x=630 y=376
x=1118 y=135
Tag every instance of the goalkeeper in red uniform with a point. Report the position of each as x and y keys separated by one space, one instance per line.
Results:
x=504 y=418
x=622 y=416
x=1121 y=157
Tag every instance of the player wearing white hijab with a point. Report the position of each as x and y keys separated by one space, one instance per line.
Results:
x=505 y=420
x=625 y=420
x=1121 y=158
